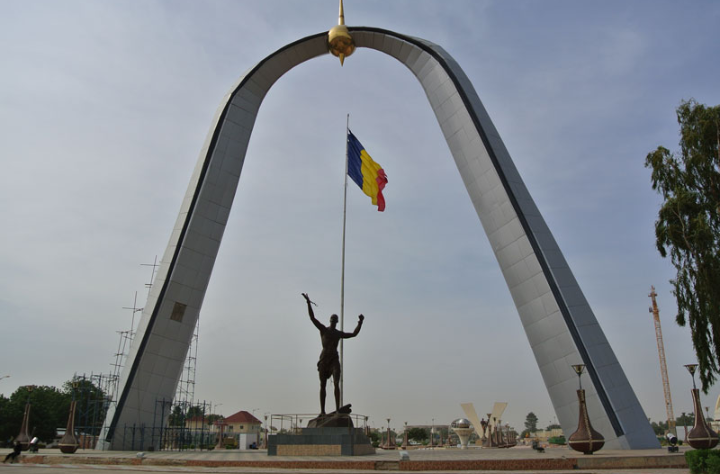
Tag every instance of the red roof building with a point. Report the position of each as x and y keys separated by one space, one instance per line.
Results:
x=241 y=422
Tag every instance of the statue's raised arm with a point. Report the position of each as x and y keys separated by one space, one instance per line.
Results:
x=347 y=335
x=317 y=323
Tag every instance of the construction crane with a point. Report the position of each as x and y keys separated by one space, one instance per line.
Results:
x=663 y=366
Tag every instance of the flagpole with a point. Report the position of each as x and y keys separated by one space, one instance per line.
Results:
x=342 y=278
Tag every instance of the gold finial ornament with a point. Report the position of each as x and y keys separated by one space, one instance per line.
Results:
x=340 y=43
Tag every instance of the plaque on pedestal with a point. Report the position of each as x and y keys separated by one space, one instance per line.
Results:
x=321 y=442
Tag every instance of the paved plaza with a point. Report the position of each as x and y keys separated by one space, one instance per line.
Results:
x=517 y=459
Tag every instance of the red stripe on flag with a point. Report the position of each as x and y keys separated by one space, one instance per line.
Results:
x=381 y=181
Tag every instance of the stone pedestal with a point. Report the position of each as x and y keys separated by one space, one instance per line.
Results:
x=338 y=419
x=341 y=441
x=464 y=435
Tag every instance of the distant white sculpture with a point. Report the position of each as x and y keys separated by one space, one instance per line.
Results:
x=485 y=429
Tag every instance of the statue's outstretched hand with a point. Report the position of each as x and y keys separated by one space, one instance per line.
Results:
x=361 y=318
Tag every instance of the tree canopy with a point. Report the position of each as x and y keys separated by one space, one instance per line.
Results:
x=418 y=434
x=686 y=419
x=659 y=427
x=531 y=421
x=688 y=227
x=180 y=414
x=49 y=409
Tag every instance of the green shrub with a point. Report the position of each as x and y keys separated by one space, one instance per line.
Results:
x=703 y=461
x=713 y=462
x=557 y=440
x=696 y=461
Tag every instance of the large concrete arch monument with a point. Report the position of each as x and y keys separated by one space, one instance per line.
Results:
x=558 y=321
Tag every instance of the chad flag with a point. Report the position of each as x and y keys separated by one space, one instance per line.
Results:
x=365 y=172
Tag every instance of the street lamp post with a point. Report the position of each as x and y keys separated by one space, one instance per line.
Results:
x=220 y=442
x=700 y=436
x=69 y=443
x=432 y=433
x=266 y=433
x=23 y=438
x=585 y=439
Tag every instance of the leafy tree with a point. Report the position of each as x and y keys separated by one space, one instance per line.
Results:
x=211 y=419
x=49 y=409
x=660 y=428
x=374 y=438
x=7 y=424
x=686 y=419
x=92 y=404
x=177 y=417
x=418 y=434
x=78 y=385
x=688 y=227
x=531 y=421
x=553 y=426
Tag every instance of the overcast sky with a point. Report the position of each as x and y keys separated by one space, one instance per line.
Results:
x=104 y=107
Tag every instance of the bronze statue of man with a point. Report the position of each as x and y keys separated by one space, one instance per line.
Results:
x=329 y=363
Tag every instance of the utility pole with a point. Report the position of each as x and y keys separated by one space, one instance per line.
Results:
x=663 y=365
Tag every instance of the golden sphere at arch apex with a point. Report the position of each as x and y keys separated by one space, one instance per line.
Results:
x=340 y=42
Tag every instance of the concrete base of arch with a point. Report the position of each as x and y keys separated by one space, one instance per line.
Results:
x=560 y=326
